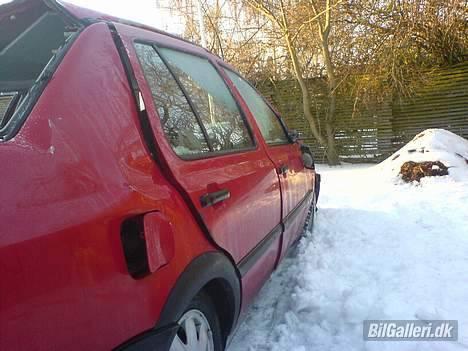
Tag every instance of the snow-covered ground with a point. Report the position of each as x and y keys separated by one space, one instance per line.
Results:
x=381 y=249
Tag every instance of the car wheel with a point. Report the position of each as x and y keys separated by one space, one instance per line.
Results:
x=199 y=328
x=309 y=223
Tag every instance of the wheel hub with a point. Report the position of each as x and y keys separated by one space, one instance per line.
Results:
x=194 y=333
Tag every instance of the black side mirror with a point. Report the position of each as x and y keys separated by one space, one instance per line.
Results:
x=295 y=136
x=307 y=157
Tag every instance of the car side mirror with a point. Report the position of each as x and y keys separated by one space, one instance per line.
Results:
x=295 y=136
x=307 y=157
x=308 y=161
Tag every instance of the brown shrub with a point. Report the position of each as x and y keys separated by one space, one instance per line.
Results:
x=411 y=171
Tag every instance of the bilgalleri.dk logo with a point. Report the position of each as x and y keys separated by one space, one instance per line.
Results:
x=410 y=330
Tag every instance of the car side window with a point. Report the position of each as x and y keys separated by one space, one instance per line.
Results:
x=211 y=99
x=269 y=124
x=177 y=118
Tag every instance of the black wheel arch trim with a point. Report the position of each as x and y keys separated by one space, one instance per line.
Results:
x=201 y=271
x=154 y=339
x=214 y=274
x=206 y=268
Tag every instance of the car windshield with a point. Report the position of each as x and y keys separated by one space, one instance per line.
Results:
x=30 y=36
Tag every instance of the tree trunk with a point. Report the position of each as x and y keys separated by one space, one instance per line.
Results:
x=306 y=100
x=332 y=154
x=327 y=139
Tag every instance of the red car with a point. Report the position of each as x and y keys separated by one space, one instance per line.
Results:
x=148 y=191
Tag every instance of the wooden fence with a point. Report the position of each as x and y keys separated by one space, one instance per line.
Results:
x=378 y=131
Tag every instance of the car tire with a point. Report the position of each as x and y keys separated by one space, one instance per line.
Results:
x=199 y=327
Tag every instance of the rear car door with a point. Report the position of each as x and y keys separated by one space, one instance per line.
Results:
x=296 y=180
x=205 y=144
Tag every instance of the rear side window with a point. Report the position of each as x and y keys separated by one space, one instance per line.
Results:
x=211 y=99
x=177 y=118
x=269 y=124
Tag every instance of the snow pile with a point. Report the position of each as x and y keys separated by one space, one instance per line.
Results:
x=378 y=251
x=432 y=145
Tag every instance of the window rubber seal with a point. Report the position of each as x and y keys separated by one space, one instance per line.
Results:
x=211 y=154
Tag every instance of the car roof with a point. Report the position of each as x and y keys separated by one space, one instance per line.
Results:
x=86 y=16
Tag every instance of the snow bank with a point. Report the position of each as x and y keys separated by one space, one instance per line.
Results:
x=431 y=145
x=378 y=251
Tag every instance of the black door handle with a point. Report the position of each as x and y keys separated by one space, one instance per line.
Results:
x=211 y=199
x=283 y=169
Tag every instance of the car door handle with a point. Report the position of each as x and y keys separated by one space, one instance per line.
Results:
x=283 y=170
x=213 y=198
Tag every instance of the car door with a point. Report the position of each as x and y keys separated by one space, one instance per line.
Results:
x=206 y=146
x=296 y=181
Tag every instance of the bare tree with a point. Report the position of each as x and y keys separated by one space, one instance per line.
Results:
x=366 y=50
x=282 y=16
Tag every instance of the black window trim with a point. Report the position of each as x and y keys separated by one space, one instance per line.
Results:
x=184 y=92
x=155 y=44
x=282 y=123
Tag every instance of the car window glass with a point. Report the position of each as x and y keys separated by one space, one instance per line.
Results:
x=212 y=100
x=177 y=118
x=269 y=124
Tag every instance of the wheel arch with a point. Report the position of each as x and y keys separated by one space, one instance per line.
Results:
x=214 y=274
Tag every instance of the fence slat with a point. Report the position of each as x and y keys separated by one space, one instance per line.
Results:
x=373 y=134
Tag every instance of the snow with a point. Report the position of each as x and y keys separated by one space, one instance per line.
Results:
x=432 y=145
x=380 y=249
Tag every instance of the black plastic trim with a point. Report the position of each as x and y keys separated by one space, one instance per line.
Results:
x=230 y=86
x=258 y=251
x=142 y=112
x=201 y=271
x=186 y=95
x=154 y=339
x=318 y=181
x=213 y=198
x=253 y=256
x=281 y=121
x=289 y=219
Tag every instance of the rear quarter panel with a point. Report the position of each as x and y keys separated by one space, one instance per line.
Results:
x=74 y=172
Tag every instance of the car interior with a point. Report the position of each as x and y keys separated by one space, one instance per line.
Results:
x=30 y=36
